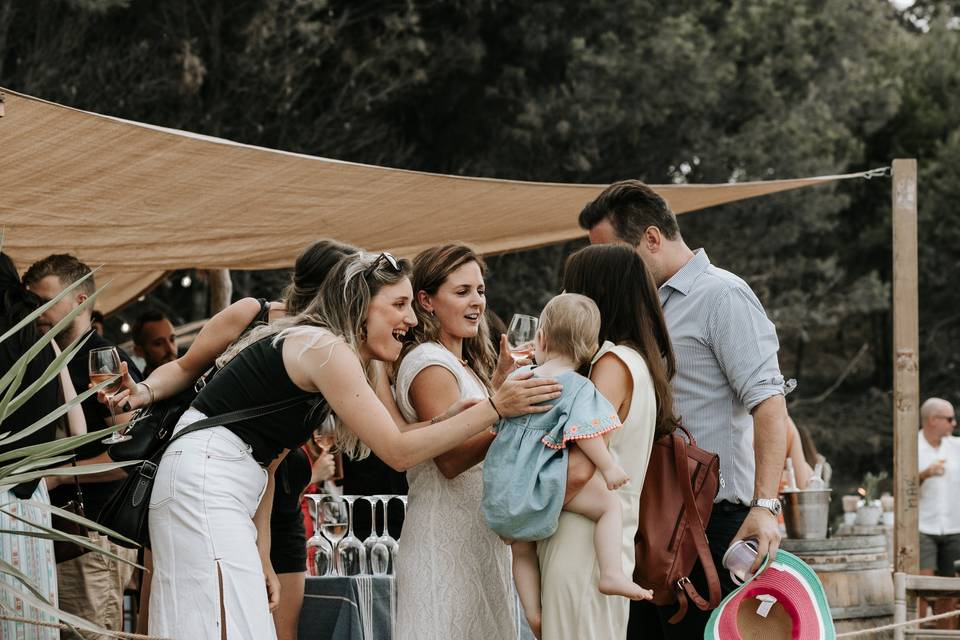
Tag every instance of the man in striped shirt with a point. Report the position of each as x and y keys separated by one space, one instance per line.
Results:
x=728 y=389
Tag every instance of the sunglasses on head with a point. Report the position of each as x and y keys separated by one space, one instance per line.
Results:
x=389 y=258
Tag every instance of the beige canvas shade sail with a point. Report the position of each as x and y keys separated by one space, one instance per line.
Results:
x=143 y=200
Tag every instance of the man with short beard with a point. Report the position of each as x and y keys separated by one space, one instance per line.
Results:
x=91 y=585
x=728 y=390
x=154 y=340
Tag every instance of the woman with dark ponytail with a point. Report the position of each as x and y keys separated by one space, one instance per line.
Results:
x=632 y=370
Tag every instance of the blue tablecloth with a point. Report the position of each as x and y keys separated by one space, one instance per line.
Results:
x=357 y=608
x=348 y=608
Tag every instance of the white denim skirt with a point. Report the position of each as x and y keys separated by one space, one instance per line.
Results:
x=204 y=497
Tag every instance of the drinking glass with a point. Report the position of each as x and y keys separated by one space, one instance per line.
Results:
x=378 y=557
x=333 y=522
x=520 y=336
x=403 y=501
x=319 y=549
x=351 y=556
x=386 y=540
x=104 y=364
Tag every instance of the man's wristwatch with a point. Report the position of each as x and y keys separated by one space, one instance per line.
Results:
x=771 y=504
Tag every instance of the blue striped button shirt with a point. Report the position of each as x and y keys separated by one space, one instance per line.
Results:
x=726 y=353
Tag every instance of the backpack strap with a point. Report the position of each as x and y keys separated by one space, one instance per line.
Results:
x=696 y=529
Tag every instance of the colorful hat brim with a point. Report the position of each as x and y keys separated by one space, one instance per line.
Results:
x=797 y=589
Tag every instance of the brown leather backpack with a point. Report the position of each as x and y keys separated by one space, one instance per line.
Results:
x=678 y=493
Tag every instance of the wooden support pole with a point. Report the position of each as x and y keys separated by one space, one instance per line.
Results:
x=221 y=288
x=906 y=374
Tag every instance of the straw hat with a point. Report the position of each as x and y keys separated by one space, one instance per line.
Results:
x=785 y=600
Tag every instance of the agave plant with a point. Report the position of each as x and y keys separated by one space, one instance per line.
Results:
x=29 y=463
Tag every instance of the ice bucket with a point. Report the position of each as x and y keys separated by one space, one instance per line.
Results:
x=806 y=513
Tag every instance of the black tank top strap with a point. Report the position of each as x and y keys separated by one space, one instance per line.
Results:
x=262 y=317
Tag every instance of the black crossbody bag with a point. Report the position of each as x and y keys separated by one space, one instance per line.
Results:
x=127 y=510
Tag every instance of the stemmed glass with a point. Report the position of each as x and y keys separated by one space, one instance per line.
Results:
x=520 y=336
x=351 y=556
x=320 y=559
x=403 y=501
x=386 y=540
x=378 y=556
x=104 y=364
x=333 y=520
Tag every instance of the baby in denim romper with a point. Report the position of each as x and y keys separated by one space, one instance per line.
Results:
x=525 y=469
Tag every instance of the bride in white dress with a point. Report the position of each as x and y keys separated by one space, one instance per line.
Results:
x=453 y=574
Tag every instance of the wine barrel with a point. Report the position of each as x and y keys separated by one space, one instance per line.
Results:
x=856 y=576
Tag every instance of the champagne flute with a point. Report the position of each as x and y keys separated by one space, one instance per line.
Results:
x=104 y=364
x=520 y=336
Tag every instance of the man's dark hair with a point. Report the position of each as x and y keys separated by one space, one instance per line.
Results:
x=64 y=266
x=632 y=207
x=150 y=315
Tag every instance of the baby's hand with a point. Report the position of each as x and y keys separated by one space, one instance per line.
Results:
x=615 y=477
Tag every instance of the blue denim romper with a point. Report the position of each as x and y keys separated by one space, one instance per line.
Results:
x=525 y=470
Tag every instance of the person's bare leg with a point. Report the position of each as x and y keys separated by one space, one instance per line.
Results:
x=596 y=449
x=602 y=506
x=526 y=575
x=286 y=617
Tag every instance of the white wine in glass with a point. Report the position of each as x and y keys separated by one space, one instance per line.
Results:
x=520 y=336
x=104 y=364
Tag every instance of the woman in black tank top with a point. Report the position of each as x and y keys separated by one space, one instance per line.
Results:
x=203 y=551
x=310 y=270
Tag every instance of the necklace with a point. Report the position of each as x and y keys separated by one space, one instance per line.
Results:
x=460 y=360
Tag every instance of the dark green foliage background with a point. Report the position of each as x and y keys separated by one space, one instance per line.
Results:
x=589 y=91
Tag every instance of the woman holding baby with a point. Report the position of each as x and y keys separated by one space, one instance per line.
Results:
x=454 y=573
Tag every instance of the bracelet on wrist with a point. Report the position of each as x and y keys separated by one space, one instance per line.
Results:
x=499 y=415
x=153 y=398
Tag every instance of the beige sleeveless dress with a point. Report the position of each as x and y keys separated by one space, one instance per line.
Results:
x=573 y=608
x=453 y=573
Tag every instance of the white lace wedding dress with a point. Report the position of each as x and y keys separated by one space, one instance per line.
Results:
x=453 y=574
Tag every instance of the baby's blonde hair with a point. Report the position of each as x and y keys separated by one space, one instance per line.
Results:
x=571 y=325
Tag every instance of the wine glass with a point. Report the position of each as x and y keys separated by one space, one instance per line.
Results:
x=319 y=549
x=403 y=501
x=351 y=556
x=378 y=557
x=520 y=336
x=104 y=365
x=326 y=439
x=386 y=540
x=332 y=519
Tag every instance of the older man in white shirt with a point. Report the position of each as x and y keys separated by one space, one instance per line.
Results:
x=938 y=461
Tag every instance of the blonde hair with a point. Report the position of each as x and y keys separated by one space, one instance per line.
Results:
x=340 y=306
x=570 y=325
x=431 y=268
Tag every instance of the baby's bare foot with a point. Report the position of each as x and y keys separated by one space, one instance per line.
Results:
x=615 y=477
x=619 y=585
